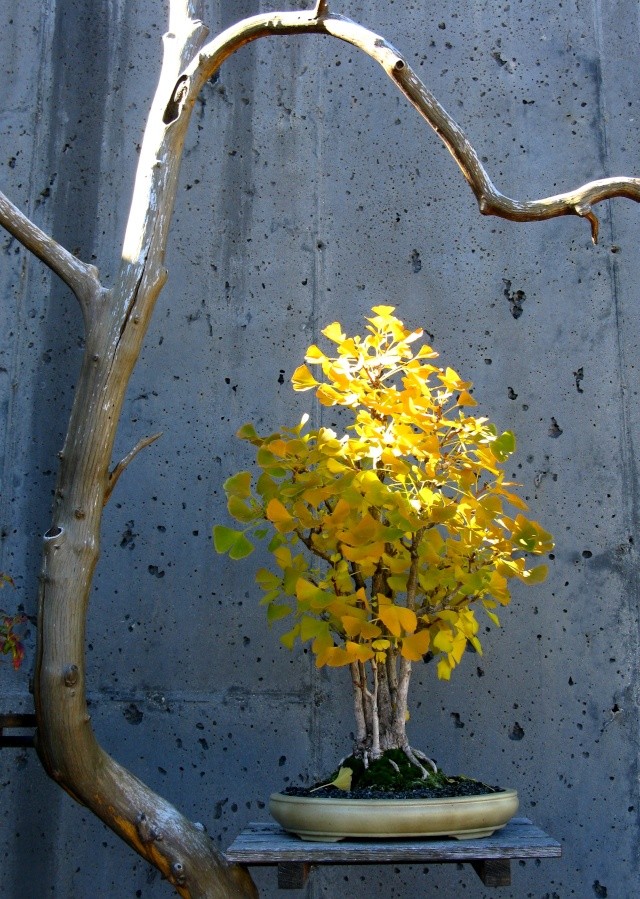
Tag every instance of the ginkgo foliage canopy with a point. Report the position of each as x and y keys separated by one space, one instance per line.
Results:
x=387 y=538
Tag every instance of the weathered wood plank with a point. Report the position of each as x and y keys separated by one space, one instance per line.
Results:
x=267 y=844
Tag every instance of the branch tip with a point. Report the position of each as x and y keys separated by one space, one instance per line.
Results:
x=114 y=476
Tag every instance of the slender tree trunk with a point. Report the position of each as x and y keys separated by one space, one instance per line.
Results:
x=380 y=705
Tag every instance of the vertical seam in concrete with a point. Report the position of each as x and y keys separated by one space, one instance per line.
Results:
x=627 y=455
x=112 y=134
x=39 y=121
x=37 y=277
x=627 y=441
x=316 y=305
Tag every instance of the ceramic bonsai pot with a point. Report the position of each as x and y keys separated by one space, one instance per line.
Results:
x=330 y=820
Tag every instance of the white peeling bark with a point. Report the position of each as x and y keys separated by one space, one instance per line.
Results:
x=358 y=684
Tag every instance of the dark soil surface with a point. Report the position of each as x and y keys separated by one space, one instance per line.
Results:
x=393 y=777
x=455 y=787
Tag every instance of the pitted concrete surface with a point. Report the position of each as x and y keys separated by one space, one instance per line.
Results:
x=310 y=191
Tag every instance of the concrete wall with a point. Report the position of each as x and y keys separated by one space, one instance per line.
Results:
x=311 y=191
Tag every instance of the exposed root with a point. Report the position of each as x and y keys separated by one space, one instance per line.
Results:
x=414 y=755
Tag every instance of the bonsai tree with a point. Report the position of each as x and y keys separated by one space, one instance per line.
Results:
x=385 y=539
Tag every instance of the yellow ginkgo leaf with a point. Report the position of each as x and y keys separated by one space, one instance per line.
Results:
x=397 y=619
x=452 y=380
x=302 y=379
x=443 y=641
x=370 y=552
x=444 y=669
x=278 y=515
x=339 y=657
x=415 y=646
x=314 y=355
x=359 y=627
x=535 y=575
x=358 y=652
x=342 y=781
x=465 y=399
x=334 y=332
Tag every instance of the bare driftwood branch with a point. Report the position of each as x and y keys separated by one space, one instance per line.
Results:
x=491 y=202
x=80 y=277
x=578 y=202
x=116 y=322
x=115 y=329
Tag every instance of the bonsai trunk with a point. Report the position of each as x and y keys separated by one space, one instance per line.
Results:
x=380 y=701
x=380 y=690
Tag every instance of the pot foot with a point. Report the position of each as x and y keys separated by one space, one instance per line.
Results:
x=474 y=834
x=318 y=838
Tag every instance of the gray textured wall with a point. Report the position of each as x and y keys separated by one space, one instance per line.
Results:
x=310 y=191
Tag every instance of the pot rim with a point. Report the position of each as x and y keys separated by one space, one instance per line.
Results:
x=506 y=794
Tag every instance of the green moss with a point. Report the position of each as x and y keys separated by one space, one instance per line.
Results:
x=395 y=773
x=383 y=775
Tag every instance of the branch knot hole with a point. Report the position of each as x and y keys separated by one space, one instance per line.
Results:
x=179 y=873
x=178 y=96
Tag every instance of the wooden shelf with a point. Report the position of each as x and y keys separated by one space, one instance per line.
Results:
x=267 y=844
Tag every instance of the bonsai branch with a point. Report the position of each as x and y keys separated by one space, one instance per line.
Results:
x=358 y=581
x=376 y=752
x=412 y=580
x=358 y=682
x=307 y=539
